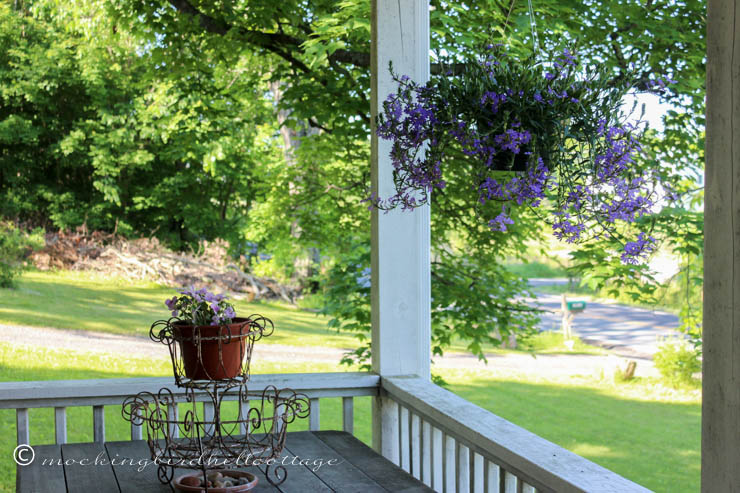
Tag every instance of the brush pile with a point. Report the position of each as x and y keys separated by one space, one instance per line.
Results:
x=147 y=259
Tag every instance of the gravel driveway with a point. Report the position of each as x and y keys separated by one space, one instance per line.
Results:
x=545 y=364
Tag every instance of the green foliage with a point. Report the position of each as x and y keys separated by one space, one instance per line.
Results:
x=528 y=270
x=15 y=246
x=347 y=301
x=677 y=362
x=159 y=118
x=96 y=133
x=471 y=302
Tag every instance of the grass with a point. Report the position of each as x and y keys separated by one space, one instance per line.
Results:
x=546 y=342
x=88 y=301
x=84 y=301
x=550 y=342
x=641 y=430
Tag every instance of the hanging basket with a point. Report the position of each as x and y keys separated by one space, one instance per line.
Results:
x=505 y=132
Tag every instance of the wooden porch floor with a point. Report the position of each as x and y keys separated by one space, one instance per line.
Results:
x=359 y=468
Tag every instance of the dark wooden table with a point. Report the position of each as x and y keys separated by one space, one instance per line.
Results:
x=359 y=468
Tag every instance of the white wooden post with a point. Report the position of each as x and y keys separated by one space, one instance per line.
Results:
x=721 y=345
x=400 y=240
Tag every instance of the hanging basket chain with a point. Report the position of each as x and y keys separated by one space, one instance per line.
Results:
x=533 y=27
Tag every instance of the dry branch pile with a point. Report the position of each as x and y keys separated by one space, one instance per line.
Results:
x=146 y=258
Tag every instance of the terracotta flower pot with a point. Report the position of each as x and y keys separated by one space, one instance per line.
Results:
x=211 y=352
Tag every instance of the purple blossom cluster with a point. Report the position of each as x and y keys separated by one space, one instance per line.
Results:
x=589 y=176
x=410 y=121
x=637 y=250
x=201 y=307
x=613 y=192
x=529 y=188
x=495 y=150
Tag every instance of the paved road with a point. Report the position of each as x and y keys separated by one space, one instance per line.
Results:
x=627 y=330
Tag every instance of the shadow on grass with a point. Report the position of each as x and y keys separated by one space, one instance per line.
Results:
x=656 y=444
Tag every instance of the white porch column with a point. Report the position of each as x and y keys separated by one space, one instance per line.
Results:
x=400 y=240
x=720 y=449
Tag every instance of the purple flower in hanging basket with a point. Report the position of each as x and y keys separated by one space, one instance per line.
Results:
x=639 y=249
x=487 y=125
x=499 y=222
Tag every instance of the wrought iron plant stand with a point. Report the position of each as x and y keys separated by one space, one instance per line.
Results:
x=213 y=363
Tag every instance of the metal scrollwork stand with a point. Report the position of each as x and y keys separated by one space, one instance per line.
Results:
x=218 y=437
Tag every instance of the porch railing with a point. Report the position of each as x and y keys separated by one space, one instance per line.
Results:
x=454 y=445
x=447 y=442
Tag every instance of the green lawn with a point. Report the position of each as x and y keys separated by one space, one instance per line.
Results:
x=83 y=301
x=641 y=430
x=88 y=301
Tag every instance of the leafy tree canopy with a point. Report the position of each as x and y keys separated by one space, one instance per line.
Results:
x=167 y=114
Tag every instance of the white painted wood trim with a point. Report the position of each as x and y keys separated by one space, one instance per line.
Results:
x=511 y=483
x=479 y=479
x=426 y=458
x=463 y=469
x=416 y=446
x=401 y=276
x=437 y=459
x=209 y=412
x=532 y=458
x=405 y=443
x=528 y=488
x=450 y=460
x=60 y=425
x=278 y=423
x=112 y=391
x=243 y=413
x=99 y=424
x=22 y=426
x=387 y=411
x=493 y=477
x=348 y=415
x=137 y=432
x=314 y=419
x=173 y=413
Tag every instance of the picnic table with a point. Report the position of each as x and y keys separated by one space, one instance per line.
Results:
x=356 y=467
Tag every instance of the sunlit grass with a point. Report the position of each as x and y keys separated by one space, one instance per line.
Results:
x=642 y=430
x=85 y=301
